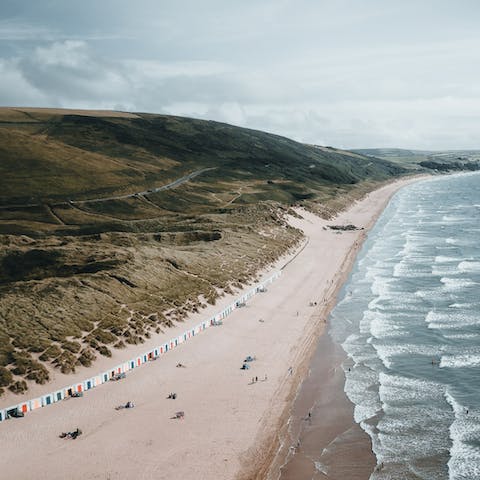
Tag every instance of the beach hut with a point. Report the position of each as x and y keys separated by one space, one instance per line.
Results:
x=157 y=352
x=35 y=403
x=58 y=396
x=47 y=400
x=3 y=415
x=24 y=407
x=138 y=361
x=79 y=387
x=88 y=384
x=132 y=364
x=126 y=366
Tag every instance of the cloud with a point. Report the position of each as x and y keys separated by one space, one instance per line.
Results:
x=343 y=73
x=14 y=30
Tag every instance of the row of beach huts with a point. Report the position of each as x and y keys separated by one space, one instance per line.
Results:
x=79 y=388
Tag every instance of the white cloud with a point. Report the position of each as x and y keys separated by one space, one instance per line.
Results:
x=345 y=73
x=69 y=53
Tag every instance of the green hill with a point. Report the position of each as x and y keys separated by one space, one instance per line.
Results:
x=114 y=225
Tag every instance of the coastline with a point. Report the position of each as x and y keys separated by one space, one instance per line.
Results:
x=230 y=421
x=321 y=392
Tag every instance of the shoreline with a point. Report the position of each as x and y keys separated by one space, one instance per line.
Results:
x=283 y=464
x=231 y=423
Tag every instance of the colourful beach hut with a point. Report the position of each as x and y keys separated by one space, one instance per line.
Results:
x=47 y=400
x=3 y=415
x=88 y=384
x=35 y=403
x=58 y=396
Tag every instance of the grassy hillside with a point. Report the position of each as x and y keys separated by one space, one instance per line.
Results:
x=96 y=251
x=427 y=160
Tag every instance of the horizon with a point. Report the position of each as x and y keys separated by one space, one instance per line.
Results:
x=347 y=75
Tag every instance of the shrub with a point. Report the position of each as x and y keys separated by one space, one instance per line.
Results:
x=19 y=386
x=38 y=373
x=104 y=336
x=6 y=377
x=86 y=357
x=52 y=351
x=103 y=350
x=66 y=362
x=73 y=347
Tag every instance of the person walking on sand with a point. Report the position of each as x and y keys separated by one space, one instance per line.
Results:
x=256 y=379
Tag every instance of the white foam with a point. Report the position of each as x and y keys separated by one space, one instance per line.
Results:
x=469 y=266
x=460 y=336
x=460 y=361
x=466 y=306
x=445 y=259
x=464 y=460
x=387 y=352
x=397 y=388
x=456 y=283
x=453 y=319
x=451 y=241
x=384 y=326
x=320 y=467
x=454 y=219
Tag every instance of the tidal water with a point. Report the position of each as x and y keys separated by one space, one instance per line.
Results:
x=409 y=321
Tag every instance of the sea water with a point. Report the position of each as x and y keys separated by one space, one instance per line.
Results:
x=409 y=321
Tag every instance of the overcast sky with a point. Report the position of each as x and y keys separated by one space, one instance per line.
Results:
x=347 y=73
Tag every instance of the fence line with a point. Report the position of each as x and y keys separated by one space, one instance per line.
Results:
x=121 y=369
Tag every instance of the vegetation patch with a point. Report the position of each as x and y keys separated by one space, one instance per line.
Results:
x=114 y=228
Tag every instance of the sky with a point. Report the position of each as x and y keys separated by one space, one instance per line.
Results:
x=345 y=73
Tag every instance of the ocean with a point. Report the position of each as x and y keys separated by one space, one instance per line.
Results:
x=409 y=321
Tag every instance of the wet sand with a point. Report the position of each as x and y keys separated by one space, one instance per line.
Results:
x=328 y=443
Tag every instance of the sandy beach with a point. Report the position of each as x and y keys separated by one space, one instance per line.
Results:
x=232 y=426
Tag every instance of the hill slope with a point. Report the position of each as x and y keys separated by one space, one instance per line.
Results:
x=114 y=225
x=449 y=160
